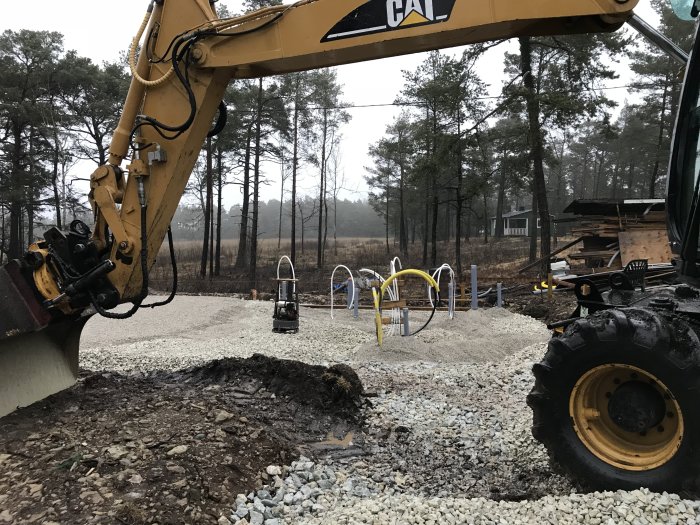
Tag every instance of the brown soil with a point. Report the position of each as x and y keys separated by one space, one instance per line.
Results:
x=559 y=308
x=171 y=447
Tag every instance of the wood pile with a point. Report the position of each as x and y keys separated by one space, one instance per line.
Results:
x=613 y=241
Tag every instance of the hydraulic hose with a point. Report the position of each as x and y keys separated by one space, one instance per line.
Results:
x=132 y=55
x=144 y=265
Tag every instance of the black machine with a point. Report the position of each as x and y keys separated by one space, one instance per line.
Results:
x=286 y=314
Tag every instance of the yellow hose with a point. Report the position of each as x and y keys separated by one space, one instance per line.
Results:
x=218 y=25
x=419 y=273
x=132 y=58
x=377 y=296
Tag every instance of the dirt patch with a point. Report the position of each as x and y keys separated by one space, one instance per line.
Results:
x=168 y=447
x=559 y=308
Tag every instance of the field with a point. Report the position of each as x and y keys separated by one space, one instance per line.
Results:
x=497 y=261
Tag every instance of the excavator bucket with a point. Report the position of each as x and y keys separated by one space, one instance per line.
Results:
x=38 y=355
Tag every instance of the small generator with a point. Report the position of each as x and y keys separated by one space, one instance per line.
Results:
x=286 y=315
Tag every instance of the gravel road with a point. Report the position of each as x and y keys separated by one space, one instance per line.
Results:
x=447 y=438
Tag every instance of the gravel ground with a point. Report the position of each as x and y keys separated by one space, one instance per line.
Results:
x=447 y=438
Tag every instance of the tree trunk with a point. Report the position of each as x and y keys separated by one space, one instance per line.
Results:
x=486 y=218
x=301 y=218
x=335 y=220
x=295 y=164
x=500 y=201
x=242 y=255
x=436 y=203
x=426 y=214
x=434 y=225
x=279 y=228
x=15 y=248
x=659 y=144
x=220 y=187
x=403 y=229
x=30 y=190
x=537 y=149
x=54 y=181
x=207 y=210
x=322 y=192
x=211 y=234
x=426 y=220
x=460 y=177
x=468 y=230
x=256 y=190
x=532 y=231
x=386 y=220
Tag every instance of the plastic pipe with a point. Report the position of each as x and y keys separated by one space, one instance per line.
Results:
x=352 y=280
x=475 y=291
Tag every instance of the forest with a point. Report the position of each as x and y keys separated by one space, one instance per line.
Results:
x=456 y=157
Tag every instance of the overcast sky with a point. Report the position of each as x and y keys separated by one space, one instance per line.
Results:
x=101 y=29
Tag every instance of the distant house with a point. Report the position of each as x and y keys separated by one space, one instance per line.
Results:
x=516 y=223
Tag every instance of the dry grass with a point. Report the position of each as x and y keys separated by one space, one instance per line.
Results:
x=497 y=260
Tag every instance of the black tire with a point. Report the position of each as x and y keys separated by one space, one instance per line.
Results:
x=665 y=347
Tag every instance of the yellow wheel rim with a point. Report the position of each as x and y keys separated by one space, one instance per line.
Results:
x=634 y=451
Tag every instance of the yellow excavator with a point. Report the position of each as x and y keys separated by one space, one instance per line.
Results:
x=616 y=397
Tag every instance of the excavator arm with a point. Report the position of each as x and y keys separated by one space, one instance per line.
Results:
x=188 y=56
x=307 y=35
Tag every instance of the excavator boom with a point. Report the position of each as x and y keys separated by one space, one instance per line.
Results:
x=189 y=56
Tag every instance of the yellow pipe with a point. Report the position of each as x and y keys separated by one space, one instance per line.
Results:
x=377 y=296
x=419 y=273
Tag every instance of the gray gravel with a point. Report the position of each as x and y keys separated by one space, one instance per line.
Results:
x=447 y=439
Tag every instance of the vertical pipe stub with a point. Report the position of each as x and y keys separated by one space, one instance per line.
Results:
x=475 y=289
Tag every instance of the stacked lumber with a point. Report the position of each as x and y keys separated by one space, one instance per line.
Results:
x=613 y=241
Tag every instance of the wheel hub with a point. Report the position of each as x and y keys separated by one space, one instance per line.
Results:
x=636 y=407
x=626 y=417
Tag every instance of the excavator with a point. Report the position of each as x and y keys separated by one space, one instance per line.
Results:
x=616 y=398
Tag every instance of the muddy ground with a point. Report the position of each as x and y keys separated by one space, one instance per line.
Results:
x=168 y=448
x=132 y=445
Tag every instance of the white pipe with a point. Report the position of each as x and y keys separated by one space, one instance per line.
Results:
x=352 y=279
x=294 y=277
x=394 y=295
x=436 y=275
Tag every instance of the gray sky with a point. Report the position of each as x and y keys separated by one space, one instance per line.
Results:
x=101 y=30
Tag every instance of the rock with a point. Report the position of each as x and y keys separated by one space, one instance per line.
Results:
x=241 y=510
x=177 y=469
x=256 y=518
x=6 y=516
x=274 y=470
x=91 y=496
x=135 y=479
x=178 y=450
x=117 y=452
x=223 y=520
x=222 y=416
x=259 y=506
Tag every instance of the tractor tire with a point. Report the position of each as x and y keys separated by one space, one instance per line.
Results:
x=616 y=401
